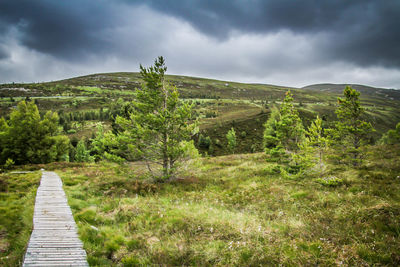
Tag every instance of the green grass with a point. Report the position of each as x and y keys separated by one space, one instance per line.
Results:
x=17 y=198
x=92 y=90
x=238 y=210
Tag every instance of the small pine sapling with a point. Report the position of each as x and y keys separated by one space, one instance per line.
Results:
x=283 y=131
x=392 y=136
x=231 y=138
x=317 y=141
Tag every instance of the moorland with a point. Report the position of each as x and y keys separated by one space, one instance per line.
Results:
x=225 y=207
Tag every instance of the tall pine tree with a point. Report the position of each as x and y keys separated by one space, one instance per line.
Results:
x=159 y=123
x=351 y=130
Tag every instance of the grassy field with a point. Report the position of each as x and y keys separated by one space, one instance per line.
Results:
x=239 y=210
x=17 y=199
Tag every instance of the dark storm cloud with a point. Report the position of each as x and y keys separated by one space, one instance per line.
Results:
x=64 y=29
x=364 y=32
x=3 y=53
x=274 y=41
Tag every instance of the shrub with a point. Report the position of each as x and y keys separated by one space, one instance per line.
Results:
x=204 y=141
x=211 y=114
x=28 y=137
x=9 y=163
x=82 y=154
x=217 y=142
x=71 y=131
x=330 y=181
x=392 y=136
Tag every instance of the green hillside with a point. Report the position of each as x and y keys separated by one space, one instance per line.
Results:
x=219 y=105
x=389 y=94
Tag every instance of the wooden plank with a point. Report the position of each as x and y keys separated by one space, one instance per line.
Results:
x=54 y=240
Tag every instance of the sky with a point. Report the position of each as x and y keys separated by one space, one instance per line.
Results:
x=283 y=42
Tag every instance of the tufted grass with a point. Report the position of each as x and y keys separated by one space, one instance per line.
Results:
x=233 y=210
x=17 y=199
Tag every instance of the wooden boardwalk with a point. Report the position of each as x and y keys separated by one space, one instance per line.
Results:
x=54 y=240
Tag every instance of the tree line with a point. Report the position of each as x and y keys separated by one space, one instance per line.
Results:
x=286 y=139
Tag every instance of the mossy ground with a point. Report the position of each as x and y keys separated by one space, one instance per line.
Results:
x=238 y=210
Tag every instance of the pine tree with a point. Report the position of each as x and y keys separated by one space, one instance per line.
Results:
x=28 y=138
x=317 y=140
x=231 y=138
x=109 y=146
x=392 y=136
x=82 y=153
x=158 y=123
x=284 y=129
x=290 y=127
x=351 y=131
x=270 y=139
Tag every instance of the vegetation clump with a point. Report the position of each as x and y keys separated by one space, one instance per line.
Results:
x=28 y=138
x=231 y=138
x=392 y=136
x=315 y=146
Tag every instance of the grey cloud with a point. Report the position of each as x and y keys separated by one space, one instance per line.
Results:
x=365 y=32
x=64 y=29
x=3 y=53
x=275 y=41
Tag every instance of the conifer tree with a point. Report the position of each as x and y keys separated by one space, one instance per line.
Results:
x=290 y=127
x=351 y=130
x=28 y=138
x=270 y=139
x=158 y=123
x=317 y=140
x=231 y=138
x=391 y=137
x=110 y=146
x=82 y=153
x=284 y=129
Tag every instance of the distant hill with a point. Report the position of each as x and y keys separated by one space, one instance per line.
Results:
x=391 y=94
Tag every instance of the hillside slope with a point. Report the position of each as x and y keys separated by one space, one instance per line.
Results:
x=390 y=94
x=219 y=105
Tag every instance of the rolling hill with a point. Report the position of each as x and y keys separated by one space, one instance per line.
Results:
x=219 y=105
x=390 y=94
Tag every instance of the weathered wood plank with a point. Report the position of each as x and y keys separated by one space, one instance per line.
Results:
x=54 y=240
